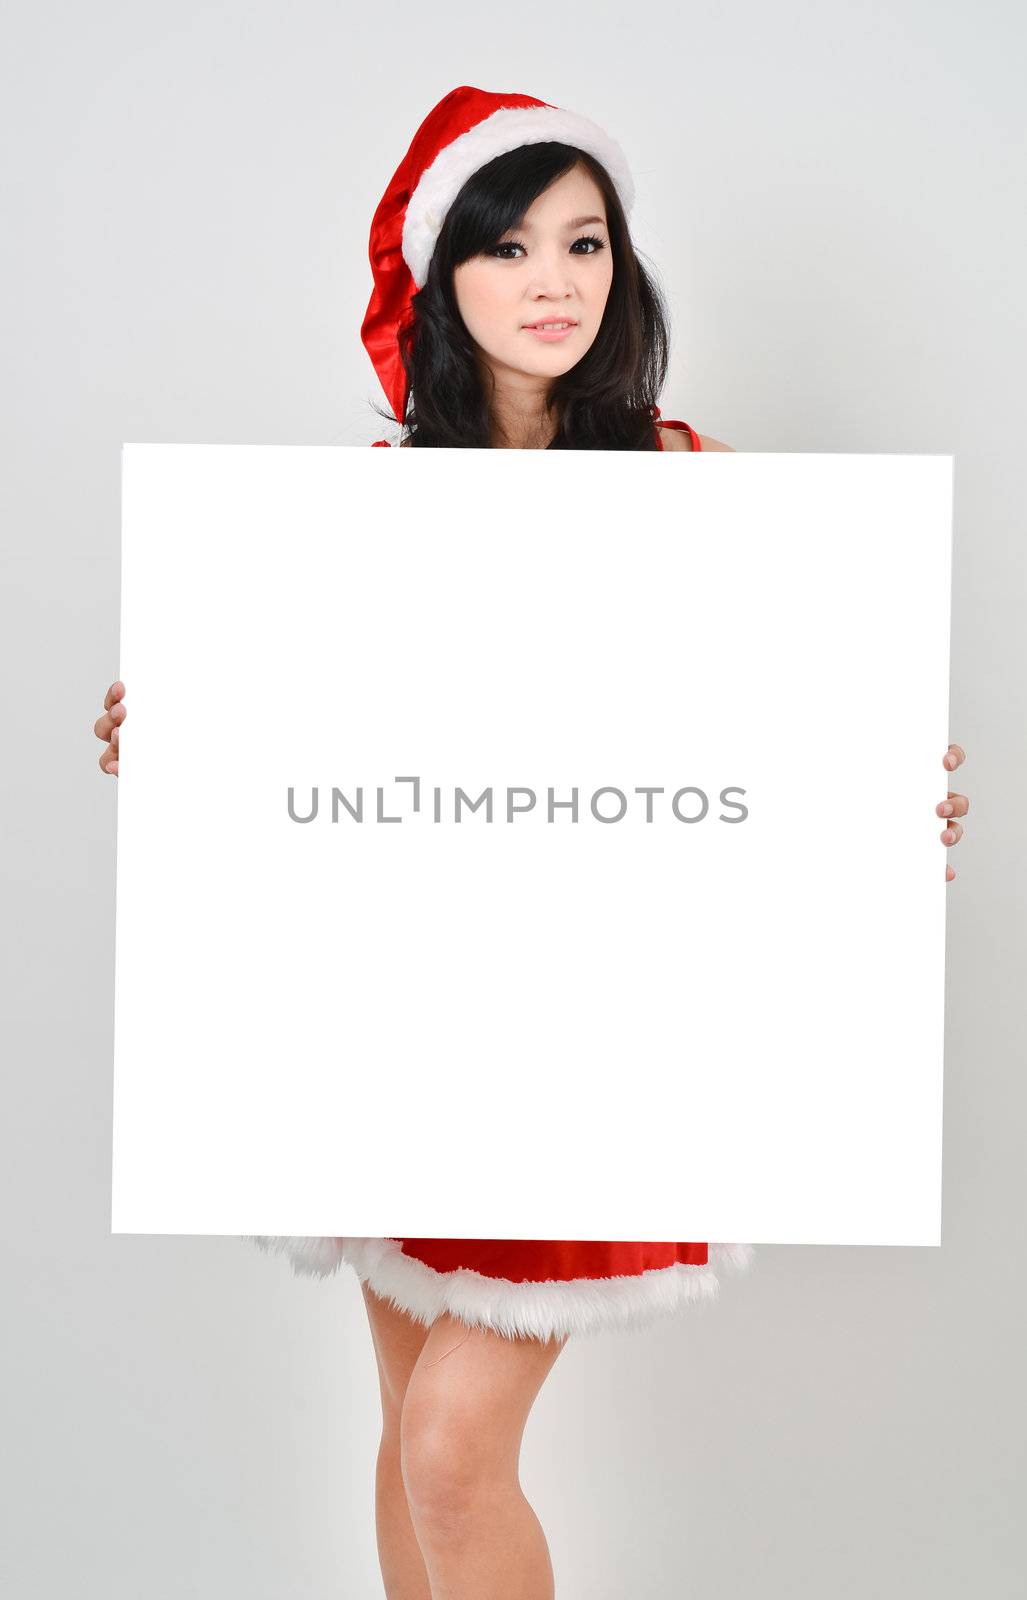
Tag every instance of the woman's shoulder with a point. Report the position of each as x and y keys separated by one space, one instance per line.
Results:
x=680 y=439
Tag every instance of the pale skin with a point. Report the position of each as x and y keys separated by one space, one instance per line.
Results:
x=452 y=1520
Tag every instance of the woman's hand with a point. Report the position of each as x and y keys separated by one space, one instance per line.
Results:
x=106 y=727
x=957 y=805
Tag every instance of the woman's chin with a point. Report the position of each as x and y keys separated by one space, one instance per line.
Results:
x=548 y=361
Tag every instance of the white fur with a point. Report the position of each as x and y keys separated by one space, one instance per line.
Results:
x=546 y=1310
x=506 y=129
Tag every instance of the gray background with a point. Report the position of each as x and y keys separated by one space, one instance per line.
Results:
x=833 y=195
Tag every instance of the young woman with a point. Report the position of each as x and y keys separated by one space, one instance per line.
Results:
x=509 y=311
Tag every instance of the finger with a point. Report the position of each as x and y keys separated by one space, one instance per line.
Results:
x=104 y=726
x=115 y=692
x=109 y=760
x=952 y=834
x=957 y=805
x=954 y=755
x=950 y=873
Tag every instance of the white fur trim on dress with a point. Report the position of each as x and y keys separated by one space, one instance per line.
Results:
x=552 y=1309
x=506 y=129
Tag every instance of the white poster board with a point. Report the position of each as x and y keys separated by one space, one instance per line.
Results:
x=712 y=1012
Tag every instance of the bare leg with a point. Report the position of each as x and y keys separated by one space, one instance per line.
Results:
x=467 y=1402
x=398 y=1341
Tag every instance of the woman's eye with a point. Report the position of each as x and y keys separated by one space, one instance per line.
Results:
x=515 y=244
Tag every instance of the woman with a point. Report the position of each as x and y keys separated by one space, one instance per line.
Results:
x=511 y=311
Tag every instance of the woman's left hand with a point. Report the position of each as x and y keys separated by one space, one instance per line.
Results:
x=957 y=805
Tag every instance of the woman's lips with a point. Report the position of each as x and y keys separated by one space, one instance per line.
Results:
x=551 y=335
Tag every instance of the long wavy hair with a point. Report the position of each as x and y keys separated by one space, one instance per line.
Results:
x=605 y=401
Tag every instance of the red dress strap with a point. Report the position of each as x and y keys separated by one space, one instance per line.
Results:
x=665 y=422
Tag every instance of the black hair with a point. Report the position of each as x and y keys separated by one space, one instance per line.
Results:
x=606 y=400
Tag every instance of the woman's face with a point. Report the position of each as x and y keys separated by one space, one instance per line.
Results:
x=557 y=266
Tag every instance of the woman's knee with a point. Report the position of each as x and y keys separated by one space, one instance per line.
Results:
x=463 y=1417
x=454 y=1455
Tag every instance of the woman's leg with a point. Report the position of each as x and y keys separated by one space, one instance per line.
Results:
x=467 y=1401
x=398 y=1341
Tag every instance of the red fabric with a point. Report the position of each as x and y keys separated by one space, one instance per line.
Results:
x=540 y=1260
x=563 y=1260
x=665 y=422
x=394 y=287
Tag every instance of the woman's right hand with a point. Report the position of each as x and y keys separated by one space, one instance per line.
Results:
x=106 y=727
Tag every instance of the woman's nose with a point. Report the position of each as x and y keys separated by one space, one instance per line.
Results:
x=552 y=279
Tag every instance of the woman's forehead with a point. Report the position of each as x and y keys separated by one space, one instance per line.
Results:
x=571 y=201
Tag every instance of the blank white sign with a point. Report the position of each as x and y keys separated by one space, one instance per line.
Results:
x=706 y=1005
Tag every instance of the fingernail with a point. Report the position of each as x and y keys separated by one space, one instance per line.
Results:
x=949 y=835
x=946 y=809
x=112 y=766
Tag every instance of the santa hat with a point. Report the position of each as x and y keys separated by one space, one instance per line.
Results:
x=467 y=129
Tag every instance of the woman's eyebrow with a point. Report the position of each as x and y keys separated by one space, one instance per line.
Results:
x=575 y=222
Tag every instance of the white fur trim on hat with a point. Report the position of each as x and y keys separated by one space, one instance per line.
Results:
x=551 y=1309
x=506 y=129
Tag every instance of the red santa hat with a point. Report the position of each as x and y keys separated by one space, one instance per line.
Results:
x=467 y=129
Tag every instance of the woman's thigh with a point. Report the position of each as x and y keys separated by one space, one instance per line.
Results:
x=398 y=1340
x=467 y=1400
